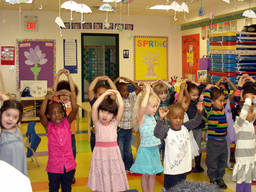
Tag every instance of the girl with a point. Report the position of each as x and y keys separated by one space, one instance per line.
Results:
x=147 y=160
x=245 y=167
x=216 y=153
x=61 y=164
x=11 y=141
x=107 y=172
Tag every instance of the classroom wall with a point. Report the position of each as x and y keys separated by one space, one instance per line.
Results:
x=12 y=28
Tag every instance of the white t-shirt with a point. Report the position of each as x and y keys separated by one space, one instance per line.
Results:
x=178 y=155
x=12 y=180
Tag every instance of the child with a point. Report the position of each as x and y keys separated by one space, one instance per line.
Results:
x=147 y=160
x=125 y=125
x=193 y=92
x=178 y=149
x=107 y=172
x=96 y=89
x=214 y=114
x=12 y=148
x=61 y=164
x=244 y=171
x=64 y=88
x=165 y=93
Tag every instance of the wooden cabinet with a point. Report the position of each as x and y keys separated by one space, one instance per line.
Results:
x=31 y=108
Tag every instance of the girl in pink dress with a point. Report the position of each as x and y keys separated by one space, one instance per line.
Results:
x=107 y=172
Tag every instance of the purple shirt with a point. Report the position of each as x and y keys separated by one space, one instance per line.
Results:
x=60 y=148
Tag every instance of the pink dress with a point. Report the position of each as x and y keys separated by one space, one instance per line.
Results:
x=107 y=172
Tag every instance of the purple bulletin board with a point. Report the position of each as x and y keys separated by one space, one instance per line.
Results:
x=36 y=60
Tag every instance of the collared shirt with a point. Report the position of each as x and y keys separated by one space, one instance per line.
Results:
x=126 y=121
x=60 y=148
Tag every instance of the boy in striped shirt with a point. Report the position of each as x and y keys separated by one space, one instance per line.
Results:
x=214 y=114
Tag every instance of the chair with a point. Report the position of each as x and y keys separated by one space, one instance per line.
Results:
x=87 y=108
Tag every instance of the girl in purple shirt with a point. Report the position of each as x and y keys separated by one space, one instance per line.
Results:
x=61 y=164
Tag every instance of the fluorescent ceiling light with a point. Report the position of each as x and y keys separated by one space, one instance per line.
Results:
x=161 y=7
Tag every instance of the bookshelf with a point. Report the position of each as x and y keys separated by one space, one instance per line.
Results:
x=31 y=108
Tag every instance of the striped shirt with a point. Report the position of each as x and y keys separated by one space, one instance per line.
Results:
x=216 y=118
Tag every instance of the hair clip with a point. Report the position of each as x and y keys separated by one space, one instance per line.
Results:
x=54 y=100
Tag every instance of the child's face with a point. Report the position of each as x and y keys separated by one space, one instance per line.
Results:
x=124 y=91
x=10 y=118
x=176 y=118
x=105 y=117
x=152 y=107
x=251 y=115
x=163 y=96
x=55 y=113
x=100 y=91
x=194 y=94
x=219 y=102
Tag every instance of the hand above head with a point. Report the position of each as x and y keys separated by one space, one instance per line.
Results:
x=3 y=97
x=199 y=106
x=51 y=95
x=163 y=111
x=66 y=72
x=63 y=92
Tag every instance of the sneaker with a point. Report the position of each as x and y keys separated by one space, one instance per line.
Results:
x=221 y=184
x=214 y=182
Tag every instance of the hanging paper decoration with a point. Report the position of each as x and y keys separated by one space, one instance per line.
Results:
x=126 y=1
x=82 y=8
x=111 y=1
x=226 y=1
x=107 y=8
x=201 y=10
x=60 y=22
x=18 y=1
x=203 y=32
x=177 y=8
x=184 y=7
x=249 y=13
x=211 y=13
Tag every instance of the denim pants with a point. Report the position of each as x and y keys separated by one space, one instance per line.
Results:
x=124 y=142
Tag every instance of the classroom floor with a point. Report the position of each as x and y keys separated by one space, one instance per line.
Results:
x=39 y=179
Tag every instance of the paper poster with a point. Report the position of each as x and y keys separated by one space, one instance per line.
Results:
x=233 y=25
x=36 y=60
x=190 y=56
x=202 y=76
x=36 y=88
x=7 y=55
x=70 y=55
x=220 y=27
x=213 y=28
x=151 y=58
x=227 y=26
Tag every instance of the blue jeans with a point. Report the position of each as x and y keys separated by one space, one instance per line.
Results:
x=124 y=142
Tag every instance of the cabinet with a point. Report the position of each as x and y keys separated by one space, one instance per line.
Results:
x=31 y=108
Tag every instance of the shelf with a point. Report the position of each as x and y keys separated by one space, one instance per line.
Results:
x=24 y=119
x=31 y=98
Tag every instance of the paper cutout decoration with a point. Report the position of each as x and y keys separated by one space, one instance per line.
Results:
x=60 y=22
x=106 y=7
x=249 y=13
x=184 y=7
x=18 y=1
x=111 y=1
x=73 y=6
x=177 y=8
x=201 y=10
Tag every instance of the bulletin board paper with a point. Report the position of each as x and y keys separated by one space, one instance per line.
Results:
x=70 y=55
x=7 y=55
x=36 y=60
x=151 y=58
x=37 y=88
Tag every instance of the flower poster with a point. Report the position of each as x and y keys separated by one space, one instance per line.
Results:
x=36 y=60
x=150 y=58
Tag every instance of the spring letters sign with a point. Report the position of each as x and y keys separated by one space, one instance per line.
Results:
x=151 y=58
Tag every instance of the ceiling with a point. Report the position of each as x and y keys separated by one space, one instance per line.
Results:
x=140 y=7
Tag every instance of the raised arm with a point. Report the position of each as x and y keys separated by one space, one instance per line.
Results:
x=3 y=97
x=43 y=116
x=137 y=87
x=161 y=129
x=56 y=80
x=110 y=82
x=72 y=115
x=91 y=93
x=207 y=101
x=144 y=103
x=120 y=104
x=244 y=112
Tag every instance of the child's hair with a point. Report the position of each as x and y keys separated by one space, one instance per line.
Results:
x=11 y=104
x=176 y=106
x=249 y=89
x=152 y=98
x=109 y=105
x=160 y=88
x=191 y=186
x=65 y=85
x=216 y=93
x=100 y=85
x=120 y=84
x=236 y=110
x=191 y=86
x=172 y=98
x=201 y=88
x=225 y=84
x=248 y=84
x=50 y=102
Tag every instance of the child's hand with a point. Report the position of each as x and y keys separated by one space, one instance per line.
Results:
x=104 y=78
x=209 y=86
x=163 y=111
x=64 y=92
x=66 y=72
x=242 y=80
x=199 y=107
x=3 y=97
x=51 y=95
x=60 y=72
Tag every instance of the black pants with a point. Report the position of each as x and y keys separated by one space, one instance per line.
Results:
x=216 y=158
x=92 y=141
x=57 y=179
x=172 y=180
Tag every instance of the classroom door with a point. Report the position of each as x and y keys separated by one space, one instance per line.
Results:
x=100 y=56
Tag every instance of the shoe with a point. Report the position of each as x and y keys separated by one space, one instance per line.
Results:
x=198 y=169
x=221 y=184
x=73 y=180
x=214 y=182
